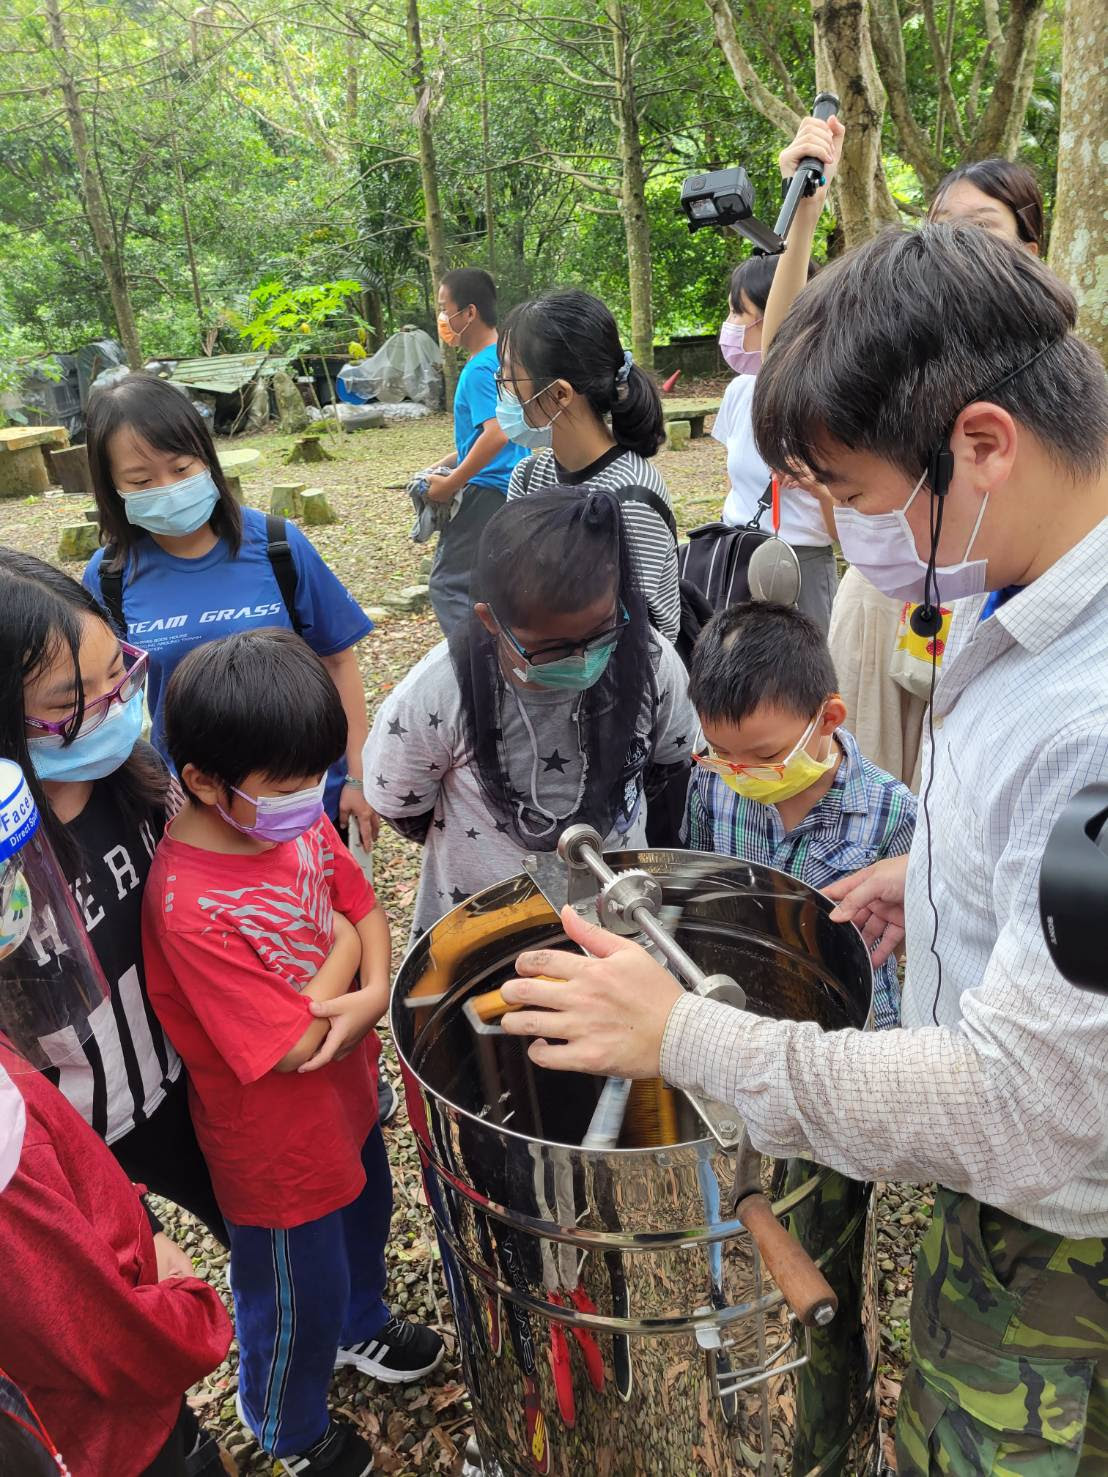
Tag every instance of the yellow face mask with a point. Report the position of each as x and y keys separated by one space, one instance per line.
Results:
x=769 y=784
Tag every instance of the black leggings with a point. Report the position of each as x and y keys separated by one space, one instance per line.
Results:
x=163 y=1155
x=190 y=1451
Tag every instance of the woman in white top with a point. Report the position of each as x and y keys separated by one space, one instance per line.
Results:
x=804 y=516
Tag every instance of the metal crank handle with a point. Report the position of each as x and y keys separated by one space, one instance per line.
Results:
x=633 y=898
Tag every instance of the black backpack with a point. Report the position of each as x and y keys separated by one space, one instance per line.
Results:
x=277 y=551
x=715 y=560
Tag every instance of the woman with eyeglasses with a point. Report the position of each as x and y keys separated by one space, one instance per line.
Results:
x=541 y=712
x=569 y=390
x=71 y=711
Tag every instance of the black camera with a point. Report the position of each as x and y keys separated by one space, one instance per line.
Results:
x=1073 y=890
x=726 y=197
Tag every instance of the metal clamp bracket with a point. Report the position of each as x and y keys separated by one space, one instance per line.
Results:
x=730 y=1383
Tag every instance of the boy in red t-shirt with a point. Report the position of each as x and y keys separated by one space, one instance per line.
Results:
x=256 y=923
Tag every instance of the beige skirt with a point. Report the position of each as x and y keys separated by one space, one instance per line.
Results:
x=886 y=720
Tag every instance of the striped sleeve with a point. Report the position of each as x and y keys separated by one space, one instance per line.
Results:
x=899 y=809
x=655 y=554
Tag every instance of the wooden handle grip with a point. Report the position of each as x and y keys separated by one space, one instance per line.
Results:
x=803 y=1286
x=491 y=1005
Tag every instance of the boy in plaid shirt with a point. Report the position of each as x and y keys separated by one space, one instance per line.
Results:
x=783 y=783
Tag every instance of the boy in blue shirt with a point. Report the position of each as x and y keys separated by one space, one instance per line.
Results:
x=783 y=782
x=478 y=470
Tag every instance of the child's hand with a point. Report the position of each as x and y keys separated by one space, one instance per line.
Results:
x=815 y=139
x=352 y=1018
x=873 y=900
x=172 y=1261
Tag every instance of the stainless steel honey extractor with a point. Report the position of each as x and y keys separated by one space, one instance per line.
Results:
x=613 y=1315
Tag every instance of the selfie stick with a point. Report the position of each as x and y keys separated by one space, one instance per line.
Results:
x=809 y=172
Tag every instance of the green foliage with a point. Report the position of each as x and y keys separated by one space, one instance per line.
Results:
x=293 y=316
x=291 y=147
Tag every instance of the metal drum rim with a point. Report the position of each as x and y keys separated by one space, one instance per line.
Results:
x=622 y=859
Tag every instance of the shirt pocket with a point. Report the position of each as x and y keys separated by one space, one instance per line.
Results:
x=851 y=857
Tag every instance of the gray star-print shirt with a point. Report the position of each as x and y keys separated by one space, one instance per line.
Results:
x=416 y=762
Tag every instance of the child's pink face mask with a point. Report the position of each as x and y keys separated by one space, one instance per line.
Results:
x=280 y=817
x=732 y=341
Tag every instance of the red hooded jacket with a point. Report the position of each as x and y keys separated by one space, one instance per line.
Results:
x=102 y=1348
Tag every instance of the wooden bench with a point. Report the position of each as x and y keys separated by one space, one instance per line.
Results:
x=696 y=412
x=23 y=466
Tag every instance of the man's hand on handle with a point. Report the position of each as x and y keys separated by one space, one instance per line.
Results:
x=610 y=1010
x=873 y=900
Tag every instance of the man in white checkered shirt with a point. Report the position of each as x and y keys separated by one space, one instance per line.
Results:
x=949 y=352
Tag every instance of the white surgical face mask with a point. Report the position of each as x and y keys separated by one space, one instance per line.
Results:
x=882 y=547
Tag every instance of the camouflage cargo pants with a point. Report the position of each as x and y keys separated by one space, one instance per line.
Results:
x=1009 y=1374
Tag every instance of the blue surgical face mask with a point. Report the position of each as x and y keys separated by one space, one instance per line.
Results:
x=179 y=508
x=512 y=421
x=92 y=755
x=572 y=673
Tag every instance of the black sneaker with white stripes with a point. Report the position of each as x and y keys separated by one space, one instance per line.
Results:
x=339 y=1452
x=386 y=1101
x=400 y=1353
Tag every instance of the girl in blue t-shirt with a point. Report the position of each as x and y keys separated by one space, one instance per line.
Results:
x=184 y=563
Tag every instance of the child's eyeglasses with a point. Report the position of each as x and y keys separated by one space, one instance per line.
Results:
x=133 y=680
x=556 y=651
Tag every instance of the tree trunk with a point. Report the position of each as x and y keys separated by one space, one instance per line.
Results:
x=95 y=208
x=845 y=65
x=636 y=222
x=183 y=201
x=374 y=312
x=352 y=76
x=483 y=77
x=1002 y=118
x=429 y=178
x=1079 y=240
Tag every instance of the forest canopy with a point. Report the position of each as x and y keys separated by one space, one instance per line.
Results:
x=167 y=169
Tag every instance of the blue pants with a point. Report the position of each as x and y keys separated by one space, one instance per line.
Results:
x=299 y=1295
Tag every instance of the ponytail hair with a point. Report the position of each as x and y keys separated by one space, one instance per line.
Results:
x=572 y=336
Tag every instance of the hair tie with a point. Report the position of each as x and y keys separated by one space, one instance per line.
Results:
x=623 y=374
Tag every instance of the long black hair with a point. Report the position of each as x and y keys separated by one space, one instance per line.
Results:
x=572 y=336
x=559 y=551
x=168 y=421
x=1009 y=184
x=41 y=615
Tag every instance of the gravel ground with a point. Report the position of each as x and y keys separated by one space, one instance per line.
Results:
x=424 y=1429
